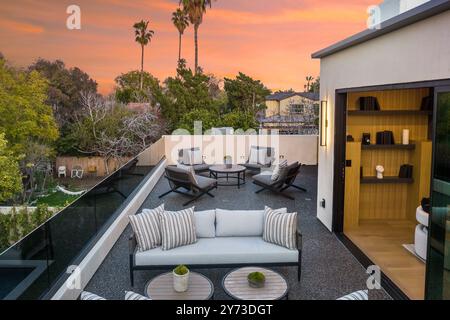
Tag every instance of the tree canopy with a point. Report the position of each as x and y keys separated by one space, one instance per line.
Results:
x=64 y=87
x=246 y=94
x=10 y=177
x=26 y=116
x=128 y=88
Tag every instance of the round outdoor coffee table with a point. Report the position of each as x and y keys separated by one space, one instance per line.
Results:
x=221 y=172
x=161 y=288
x=235 y=284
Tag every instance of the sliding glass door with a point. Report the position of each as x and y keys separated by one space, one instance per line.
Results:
x=438 y=264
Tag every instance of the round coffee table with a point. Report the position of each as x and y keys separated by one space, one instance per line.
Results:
x=220 y=172
x=235 y=284
x=161 y=288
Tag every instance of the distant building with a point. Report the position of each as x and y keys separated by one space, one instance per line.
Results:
x=292 y=112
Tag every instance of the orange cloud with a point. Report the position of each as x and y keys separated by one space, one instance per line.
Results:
x=20 y=26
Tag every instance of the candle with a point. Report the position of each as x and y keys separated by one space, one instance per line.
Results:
x=405 y=139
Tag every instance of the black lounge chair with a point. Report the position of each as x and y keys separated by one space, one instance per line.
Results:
x=256 y=167
x=198 y=168
x=285 y=180
x=195 y=186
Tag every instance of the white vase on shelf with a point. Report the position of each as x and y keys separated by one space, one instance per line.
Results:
x=405 y=136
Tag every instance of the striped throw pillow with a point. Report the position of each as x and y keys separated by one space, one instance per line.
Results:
x=357 y=295
x=130 y=295
x=146 y=227
x=277 y=170
x=85 y=295
x=280 y=228
x=178 y=228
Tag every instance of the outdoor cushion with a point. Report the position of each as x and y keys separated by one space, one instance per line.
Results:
x=278 y=170
x=130 y=295
x=280 y=228
x=146 y=227
x=225 y=250
x=205 y=223
x=236 y=223
x=252 y=166
x=201 y=167
x=177 y=228
x=190 y=170
x=85 y=295
x=192 y=156
x=204 y=182
x=357 y=295
x=265 y=179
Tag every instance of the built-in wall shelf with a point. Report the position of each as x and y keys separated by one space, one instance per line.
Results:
x=388 y=146
x=387 y=112
x=375 y=180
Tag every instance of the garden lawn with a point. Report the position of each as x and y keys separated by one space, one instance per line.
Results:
x=57 y=199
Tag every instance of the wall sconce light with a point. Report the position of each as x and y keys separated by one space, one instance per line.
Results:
x=323 y=123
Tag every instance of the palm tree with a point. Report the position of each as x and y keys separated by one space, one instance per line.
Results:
x=195 y=10
x=181 y=22
x=308 y=82
x=143 y=37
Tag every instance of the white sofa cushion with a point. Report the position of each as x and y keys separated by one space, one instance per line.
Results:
x=357 y=295
x=130 y=295
x=239 y=223
x=205 y=223
x=85 y=295
x=226 y=250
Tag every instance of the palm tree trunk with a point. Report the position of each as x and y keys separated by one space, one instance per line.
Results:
x=142 y=68
x=179 y=47
x=196 y=46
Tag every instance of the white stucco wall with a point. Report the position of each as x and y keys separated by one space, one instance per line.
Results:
x=418 y=52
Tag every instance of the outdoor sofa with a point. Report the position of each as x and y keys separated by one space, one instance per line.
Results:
x=225 y=238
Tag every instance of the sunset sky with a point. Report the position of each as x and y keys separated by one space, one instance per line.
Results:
x=268 y=40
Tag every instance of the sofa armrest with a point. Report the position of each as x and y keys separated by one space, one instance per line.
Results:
x=132 y=244
x=299 y=240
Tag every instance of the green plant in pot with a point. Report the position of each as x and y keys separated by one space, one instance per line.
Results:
x=256 y=279
x=228 y=161
x=180 y=278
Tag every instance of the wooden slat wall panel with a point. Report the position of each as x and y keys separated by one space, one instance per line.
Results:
x=417 y=125
x=352 y=185
x=407 y=99
x=383 y=201
x=391 y=160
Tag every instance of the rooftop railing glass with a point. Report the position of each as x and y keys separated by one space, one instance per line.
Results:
x=32 y=268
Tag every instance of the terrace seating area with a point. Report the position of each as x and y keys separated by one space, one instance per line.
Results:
x=328 y=269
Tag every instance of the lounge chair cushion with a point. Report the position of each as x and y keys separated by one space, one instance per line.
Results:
x=236 y=223
x=205 y=223
x=278 y=169
x=265 y=178
x=253 y=166
x=201 y=167
x=192 y=156
x=221 y=250
x=190 y=170
x=205 y=182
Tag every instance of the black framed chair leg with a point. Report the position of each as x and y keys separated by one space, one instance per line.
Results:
x=165 y=194
x=299 y=188
x=260 y=190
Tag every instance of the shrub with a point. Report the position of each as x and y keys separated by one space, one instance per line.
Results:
x=256 y=277
x=181 y=270
x=18 y=223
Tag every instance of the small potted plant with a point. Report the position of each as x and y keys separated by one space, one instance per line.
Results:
x=180 y=278
x=228 y=161
x=256 y=279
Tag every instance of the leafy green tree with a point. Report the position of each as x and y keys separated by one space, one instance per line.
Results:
x=186 y=92
x=195 y=10
x=181 y=22
x=239 y=120
x=246 y=94
x=143 y=36
x=208 y=118
x=25 y=115
x=315 y=86
x=10 y=177
x=128 y=88
x=64 y=87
